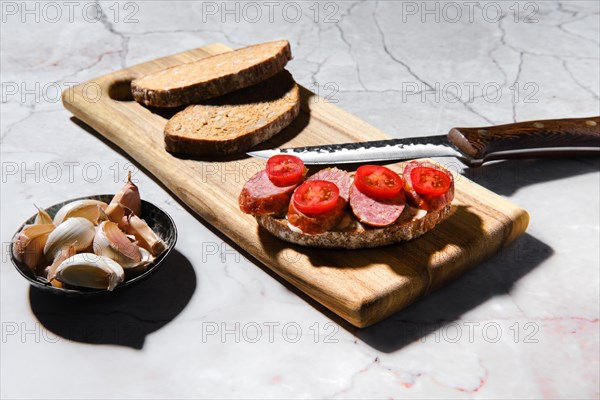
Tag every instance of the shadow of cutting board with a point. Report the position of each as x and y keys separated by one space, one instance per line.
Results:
x=362 y=286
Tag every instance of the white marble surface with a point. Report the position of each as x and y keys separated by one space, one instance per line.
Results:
x=522 y=324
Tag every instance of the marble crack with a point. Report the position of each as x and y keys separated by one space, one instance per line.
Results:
x=356 y=64
x=110 y=28
x=414 y=74
x=562 y=28
x=577 y=82
x=32 y=111
x=418 y=374
x=519 y=70
x=228 y=275
x=494 y=61
x=9 y=128
x=347 y=42
x=97 y=61
x=575 y=17
x=33 y=106
x=318 y=69
x=560 y=7
x=353 y=377
x=531 y=53
x=561 y=58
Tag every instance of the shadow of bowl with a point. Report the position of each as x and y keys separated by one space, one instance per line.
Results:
x=124 y=318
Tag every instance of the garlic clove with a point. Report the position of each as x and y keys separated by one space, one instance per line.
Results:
x=90 y=271
x=146 y=260
x=145 y=236
x=115 y=213
x=28 y=245
x=61 y=256
x=111 y=242
x=42 y=217
x=129 y=197
x=86 y=208
x=76 y=231
x=102 y=216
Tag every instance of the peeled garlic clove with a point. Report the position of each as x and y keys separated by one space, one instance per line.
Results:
x=128 y=197
x=87 y=209
x=42 y=217
x=134 y=225
x=61 y=256
x=90 y=271
x=28 y=245
x=111 y=242
x=77 y=231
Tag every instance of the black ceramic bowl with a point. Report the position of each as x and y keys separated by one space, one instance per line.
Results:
x=160 y=222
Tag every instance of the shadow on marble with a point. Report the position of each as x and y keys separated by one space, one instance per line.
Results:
x=494 y=277
x=122 y=318
x=507 y=177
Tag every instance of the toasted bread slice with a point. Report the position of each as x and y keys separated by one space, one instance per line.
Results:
x=213 y=76
x=411 y=224
x=237 y=121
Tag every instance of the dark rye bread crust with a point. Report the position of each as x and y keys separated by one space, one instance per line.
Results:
x=402 y=231
x=212 y=76
x=237 y=121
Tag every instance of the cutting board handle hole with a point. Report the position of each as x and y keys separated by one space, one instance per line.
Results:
x=120 y=90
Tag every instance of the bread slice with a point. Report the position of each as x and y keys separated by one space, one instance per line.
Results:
x=235 y=122
x=411 y=224
x=213 y=76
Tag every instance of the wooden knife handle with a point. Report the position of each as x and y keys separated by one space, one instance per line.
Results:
x=480 y=143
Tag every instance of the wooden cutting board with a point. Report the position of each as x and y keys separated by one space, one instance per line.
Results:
x=362 y=286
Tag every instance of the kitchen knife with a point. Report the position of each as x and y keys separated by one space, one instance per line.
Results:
x=473 y=146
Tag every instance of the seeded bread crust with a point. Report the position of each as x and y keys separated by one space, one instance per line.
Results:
x=402 y=231
x=212 y=76
x=237 y=121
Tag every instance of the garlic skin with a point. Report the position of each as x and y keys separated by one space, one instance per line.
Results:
x=76 y=231
x=90 y=271
x=28 y=245
x=147 y=259
x=42 y=217
x=111 y=242
x=115 y=213
x=146 y=238
x=128 y=197
x=86 y=208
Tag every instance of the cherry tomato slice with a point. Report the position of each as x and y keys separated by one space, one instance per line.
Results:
x=285 y=169
x=430 y=181
x=378 y=182
x=316 y=197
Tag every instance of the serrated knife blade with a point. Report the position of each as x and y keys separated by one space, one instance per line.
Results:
x=372 y=151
